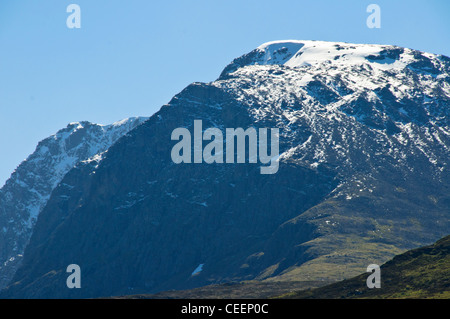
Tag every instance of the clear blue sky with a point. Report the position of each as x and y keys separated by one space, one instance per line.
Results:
x=130 y=57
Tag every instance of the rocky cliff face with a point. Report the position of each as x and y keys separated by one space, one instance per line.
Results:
x=25 y=194
x=363 y=175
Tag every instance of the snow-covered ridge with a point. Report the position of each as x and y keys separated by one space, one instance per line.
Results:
x=300 y=53
x=28 y=189
x=400 y=94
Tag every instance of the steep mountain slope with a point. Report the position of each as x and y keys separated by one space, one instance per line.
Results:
x=419 y=273
x=27 y=191
x=363 y=175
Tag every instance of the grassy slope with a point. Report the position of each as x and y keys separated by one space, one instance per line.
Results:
x=419 y=273
x=246 y=289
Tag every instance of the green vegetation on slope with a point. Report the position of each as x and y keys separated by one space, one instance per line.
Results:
x=419 y=273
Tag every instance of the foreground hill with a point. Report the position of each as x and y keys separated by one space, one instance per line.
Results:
x=419 y=273
x=233 y=290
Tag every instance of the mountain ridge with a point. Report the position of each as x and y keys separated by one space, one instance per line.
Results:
x=28 y=189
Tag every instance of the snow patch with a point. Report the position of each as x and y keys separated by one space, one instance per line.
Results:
x=197 y=270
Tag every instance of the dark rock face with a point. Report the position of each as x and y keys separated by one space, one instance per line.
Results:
x=363 y=175
x=27 y=191
x=162 y=220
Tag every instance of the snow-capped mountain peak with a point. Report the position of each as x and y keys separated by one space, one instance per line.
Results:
x=364 y=155
x=307 y=53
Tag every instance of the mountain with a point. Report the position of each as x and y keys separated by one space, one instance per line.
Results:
x=28 y=189
x=362 y=176
x=419 y=273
